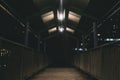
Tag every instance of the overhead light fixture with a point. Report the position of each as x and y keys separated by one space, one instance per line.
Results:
x=74 y=17
x=61 y=29
x=52 y=30
x=61 y=15
x=48 y=16
x=70 y=30
x=98 y=35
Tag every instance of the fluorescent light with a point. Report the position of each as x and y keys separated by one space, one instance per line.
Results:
x=61 y=15
x=110 y=39
x=52 y=30
x=70 y=30
x=74 y=17
x=118 y=39
x=47 y=16
x=80 y=49
x=61 y=29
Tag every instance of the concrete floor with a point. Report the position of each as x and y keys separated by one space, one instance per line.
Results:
x=61 y=74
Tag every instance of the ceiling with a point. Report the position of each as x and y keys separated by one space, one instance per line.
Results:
x=32 y=10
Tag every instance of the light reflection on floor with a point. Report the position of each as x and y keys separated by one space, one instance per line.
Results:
x=61 y=74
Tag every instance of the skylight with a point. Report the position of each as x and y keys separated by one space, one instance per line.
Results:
x=74 y=17
x=48 y=16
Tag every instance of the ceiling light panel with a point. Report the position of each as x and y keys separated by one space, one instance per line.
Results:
x=70 y=30
x=61 y=15
x=61 y=29
x=74 y=17
x=48 y=16
x=52 y=30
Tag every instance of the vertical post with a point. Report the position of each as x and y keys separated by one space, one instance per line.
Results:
x=83 y=41
x=39 y=43
x=44 y=46
x=27 y=34
x=95 y=34
x=77 y=46
x=0 y=43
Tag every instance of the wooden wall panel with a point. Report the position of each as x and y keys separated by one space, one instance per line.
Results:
x=102 y=63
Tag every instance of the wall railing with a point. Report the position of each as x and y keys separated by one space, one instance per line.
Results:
x=18 y=62
x=103 y=62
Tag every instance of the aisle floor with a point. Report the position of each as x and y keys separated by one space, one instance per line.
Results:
x=61 y=74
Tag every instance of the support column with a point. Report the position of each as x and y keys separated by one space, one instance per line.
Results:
x=95 y=34
x=78 y=46
x=27 y=34
x=39 y=43
x=0 y=43
x=45 y=46
x=83 y=41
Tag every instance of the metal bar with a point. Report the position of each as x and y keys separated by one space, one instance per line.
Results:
x=39 y=43
x=112 y=8
x=95 y=34
x=0 y=43
x=83 y=41
x=27 y=34
x=15 y=43
x=113 y=13
x=45 y=46
x=77 y=45
x=11 y=14
x=61 y=5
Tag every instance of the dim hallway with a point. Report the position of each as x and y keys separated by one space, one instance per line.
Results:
x=59 y=39
x=61 y=74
